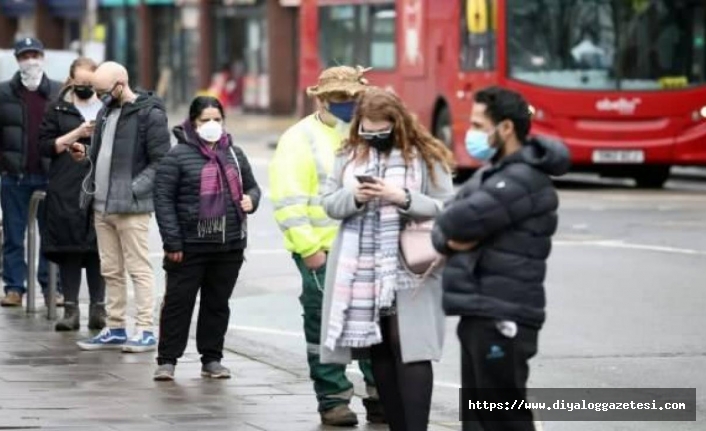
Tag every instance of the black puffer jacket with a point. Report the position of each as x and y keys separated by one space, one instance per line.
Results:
x=13 y=123
x=510 y=210
x=177 y=197
x=141 y=140
x=68 y=228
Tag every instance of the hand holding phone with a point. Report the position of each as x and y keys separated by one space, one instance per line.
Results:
x=85 y=130
x=367 y=190
x=366 y=179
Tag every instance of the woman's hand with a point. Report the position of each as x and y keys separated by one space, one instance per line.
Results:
x=66 y=142
x=85 y=130
x=60 y=147
x=246 y=204
x=364 y=193
x=175 y=257
x=389 y=192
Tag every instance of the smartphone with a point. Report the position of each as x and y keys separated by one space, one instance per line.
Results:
x=366 y=179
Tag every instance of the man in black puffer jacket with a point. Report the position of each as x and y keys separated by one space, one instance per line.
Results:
x=497 y=234
x=23 y=101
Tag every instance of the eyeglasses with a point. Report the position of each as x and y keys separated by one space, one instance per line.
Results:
x=369 y=136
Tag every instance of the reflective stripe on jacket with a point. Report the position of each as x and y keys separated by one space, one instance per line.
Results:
x=302 y=162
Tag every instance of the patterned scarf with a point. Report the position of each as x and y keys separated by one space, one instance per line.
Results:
x=368 y=272
x=212 y=197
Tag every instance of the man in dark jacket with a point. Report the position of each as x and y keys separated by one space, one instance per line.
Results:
x=23 y=101
x=131 y=137
x=497 y=234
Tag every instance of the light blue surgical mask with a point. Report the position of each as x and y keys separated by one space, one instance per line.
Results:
x=478 y=145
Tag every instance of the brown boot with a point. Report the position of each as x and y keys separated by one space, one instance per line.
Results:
x=339 y=416
x=12 y=299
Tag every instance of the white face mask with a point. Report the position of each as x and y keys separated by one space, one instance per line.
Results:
x=31 y=72
x=210 y=131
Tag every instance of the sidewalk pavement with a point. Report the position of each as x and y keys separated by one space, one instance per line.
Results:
x=47 y=383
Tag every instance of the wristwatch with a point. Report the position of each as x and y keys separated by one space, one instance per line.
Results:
x=407 y=200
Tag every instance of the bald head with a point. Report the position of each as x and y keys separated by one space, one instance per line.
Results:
x=108 y=74
x=111 y=78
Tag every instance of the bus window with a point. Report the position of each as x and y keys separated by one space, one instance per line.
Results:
x=358 y=35
x=607 y=44
x=478 y=34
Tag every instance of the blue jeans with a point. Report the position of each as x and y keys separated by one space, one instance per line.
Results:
x=15 y=195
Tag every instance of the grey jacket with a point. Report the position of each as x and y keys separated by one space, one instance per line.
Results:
x=141 y=140
x=421 y=317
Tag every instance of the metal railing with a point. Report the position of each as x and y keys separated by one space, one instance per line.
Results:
x=32 y=257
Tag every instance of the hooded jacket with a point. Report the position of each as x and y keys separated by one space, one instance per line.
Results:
x=13 y=123
x=141 y=140
x=509 y=210
x=177 y=199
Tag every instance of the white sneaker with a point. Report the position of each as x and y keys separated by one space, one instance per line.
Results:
x=142 y=341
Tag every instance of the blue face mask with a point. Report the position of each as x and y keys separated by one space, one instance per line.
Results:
x=478 y=146
x=343 y=111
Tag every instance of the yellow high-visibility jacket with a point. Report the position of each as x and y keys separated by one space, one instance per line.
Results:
x=303 y=160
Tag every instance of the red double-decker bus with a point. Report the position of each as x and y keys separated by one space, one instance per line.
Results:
x=621 y=82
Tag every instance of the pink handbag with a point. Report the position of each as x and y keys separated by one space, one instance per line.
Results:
x=418 y=255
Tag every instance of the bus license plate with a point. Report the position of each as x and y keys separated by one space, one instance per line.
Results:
x=610 y=156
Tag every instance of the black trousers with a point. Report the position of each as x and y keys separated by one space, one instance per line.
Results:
x=490 y=360
x=215 y=274
x=405 y=388
x=70 y=268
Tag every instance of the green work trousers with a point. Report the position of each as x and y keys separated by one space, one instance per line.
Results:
x=331 y=385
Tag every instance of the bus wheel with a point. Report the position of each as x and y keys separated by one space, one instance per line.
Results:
x=442 y=127
x=652 y=177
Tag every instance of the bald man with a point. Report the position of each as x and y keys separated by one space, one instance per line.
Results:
x=131 y=137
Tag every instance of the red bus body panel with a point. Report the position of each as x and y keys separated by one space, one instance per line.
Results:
x=665 y=125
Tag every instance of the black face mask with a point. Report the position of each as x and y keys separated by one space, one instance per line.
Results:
x=109 y=100
x=83 y=92
x=381 y=143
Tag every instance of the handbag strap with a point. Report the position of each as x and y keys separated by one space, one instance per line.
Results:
x=420 y=279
